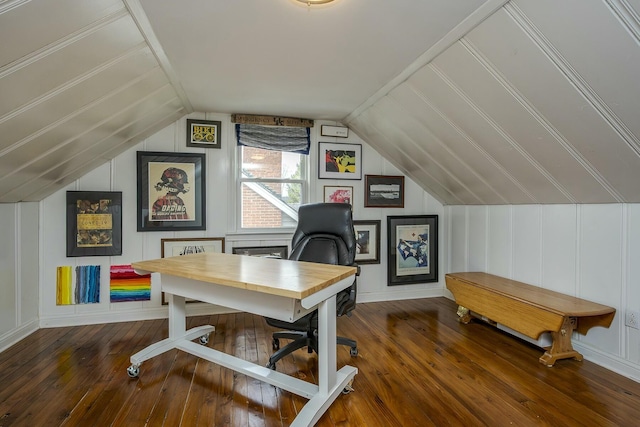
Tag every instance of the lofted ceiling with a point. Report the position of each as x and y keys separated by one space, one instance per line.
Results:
x=479 y=102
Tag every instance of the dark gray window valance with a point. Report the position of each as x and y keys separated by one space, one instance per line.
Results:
x=277 y=138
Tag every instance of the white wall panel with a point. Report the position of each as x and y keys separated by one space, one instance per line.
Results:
x=559 y=245
x=478 y=238
x=499 y=237
x=457 y=243
x=29 y=261
x=527 y=243
x=631 y=292
x=600 y=258
x=8 y=255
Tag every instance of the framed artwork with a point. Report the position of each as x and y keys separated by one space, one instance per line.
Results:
x=412 y=249
x=383 y=191
x=94 y=223
x=339 y=161
x=171 y=191
x=185 y=246
x=336 y=194
x=367 y=241
x=263 y=251
x=203 y=133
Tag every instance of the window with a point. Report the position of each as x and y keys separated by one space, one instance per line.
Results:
x=271 y=186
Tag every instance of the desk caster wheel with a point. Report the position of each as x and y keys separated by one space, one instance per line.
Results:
x=271 y=366
x=204 y=340
x=275 y=344
x=354 y=351
x=133 y=371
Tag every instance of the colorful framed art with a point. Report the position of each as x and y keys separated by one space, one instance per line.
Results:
x=338 y=194
x=339 y=161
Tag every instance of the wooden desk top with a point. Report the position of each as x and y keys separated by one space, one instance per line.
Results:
x=543 y=298
x=292 y=279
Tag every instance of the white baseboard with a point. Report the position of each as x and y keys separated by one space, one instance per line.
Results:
x=608 y=361
x=399 y=295
x=128 y=316
x=12 y=337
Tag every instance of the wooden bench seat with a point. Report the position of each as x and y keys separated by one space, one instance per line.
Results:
x=528 y=309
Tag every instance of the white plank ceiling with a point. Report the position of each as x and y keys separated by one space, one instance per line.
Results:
x=479 y=102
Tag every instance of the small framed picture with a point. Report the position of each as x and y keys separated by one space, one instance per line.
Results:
x=338 y=194
x=412 y=247
x=337 y=131
x=94 y=223
x=263 y=251
x=367 y=241
x=383 y=191
x=171 y=191
x=339 y=161
x=203 y=133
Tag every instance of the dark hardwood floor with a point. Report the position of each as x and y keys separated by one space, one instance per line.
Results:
x=417 y=367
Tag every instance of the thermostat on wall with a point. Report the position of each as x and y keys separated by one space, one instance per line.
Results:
x=339 y=131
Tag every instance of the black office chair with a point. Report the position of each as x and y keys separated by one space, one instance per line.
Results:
x=325 y=235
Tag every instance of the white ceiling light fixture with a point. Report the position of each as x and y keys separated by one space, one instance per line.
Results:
x=310 y=3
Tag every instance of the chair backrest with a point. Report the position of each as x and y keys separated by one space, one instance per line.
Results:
x=324 y=234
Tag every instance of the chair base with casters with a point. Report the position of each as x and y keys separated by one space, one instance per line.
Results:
x=302 y=339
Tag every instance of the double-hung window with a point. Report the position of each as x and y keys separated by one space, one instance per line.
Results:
x=272 y=176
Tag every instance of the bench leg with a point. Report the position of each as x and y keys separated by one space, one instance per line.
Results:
x=464 y=314
x=561 y=347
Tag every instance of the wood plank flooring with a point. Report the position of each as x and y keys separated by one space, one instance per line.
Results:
x=417 y=367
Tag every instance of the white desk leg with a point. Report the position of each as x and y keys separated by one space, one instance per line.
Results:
x=177 y=316
x=177 y=332
x=330 y=382
x=327 y=345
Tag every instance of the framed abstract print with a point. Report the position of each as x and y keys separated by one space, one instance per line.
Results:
x=94 y=223
x=412 y=244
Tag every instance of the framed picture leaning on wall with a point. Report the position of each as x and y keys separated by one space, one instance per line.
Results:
x=171 y=191
x=412 y=244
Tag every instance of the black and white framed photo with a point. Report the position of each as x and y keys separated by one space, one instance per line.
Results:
x=383 y=191
x=412 y=243
x=263 y=251
x=367 y=241
x=203 y=133
x=171 y=191
x=94 y=223
x=339 y=161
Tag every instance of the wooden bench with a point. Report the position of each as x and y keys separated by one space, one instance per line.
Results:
x=528 y=309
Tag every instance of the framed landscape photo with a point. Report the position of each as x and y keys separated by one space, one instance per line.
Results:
x=281 y=252
x=94 y=223
x=203 y=133
x=185 y=246
x=412 y=243
x=338 y=194
x=339 y=161
x=367 y=241
x=171 y=191
x=383 y=191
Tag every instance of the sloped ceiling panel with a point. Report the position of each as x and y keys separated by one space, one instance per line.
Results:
x=537 y=104
x=81 y=86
